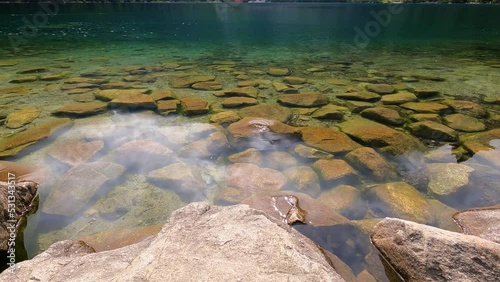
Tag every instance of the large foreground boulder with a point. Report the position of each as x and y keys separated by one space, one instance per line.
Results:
x=199 y=243
x=424 y=253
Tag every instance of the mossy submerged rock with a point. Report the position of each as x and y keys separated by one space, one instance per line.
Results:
x=383 y=115
x=235 y=242
x=399 y=199
x=82 y=109
x=13 y=144
x=253 y=179
x=433 y=130
x=194 y=106
x=303 y=100
x=224 y=117
x=399 y=98
x=464 y=123
x=272 y=112
x=328 y=139
x=22 y=117
x=359 y=96
x=367 y=160
x=335 y=171
x=380 y=136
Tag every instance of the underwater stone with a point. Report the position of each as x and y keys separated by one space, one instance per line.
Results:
x=359 y=96
x=280 y=160
x=303 y=100
x=234 y=102
x=267 y=111
x=82 y=109
x=134 y=101
x=399 y=98
x=426 y=107
x=224 y=117
x=294 y=80
x=12 y=145
x=425 y=93
x=24 y=79
x=447 y=178
x=89 y=80
x=250 y=155
x=467 y=108
x=181 y=177
x=335 y=171
x=310 y=153
x=464 y=123
x=194 y=106
x=330 y=112
x=186 y=82
x=143 y=155
x=207 y=85
x=247 y=91
x=278 y=71
x=303 y=179
x=380 y=88
x=21 y=117
x=254 y=179
x=167 y=107
x=380 y=136
x=344 y=199
x=33 y=70
x=78 y=186
x=433 y=130
x=74 y=153
x=399 y=199
x=111 y=94
x=163 y=95
x=367 y=160
x=383 y=115
x=328 y=139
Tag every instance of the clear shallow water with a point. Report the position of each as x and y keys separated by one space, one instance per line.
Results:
x=459 y=43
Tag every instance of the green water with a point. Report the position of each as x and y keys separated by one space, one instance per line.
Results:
x=458 y=43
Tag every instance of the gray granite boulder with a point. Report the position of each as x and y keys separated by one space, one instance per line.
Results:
x=424 y=253
x=199 y=243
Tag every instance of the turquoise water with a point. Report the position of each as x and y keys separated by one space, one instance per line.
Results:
x=460 y=44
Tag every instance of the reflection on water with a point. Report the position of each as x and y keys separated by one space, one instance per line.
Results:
x=164 y=171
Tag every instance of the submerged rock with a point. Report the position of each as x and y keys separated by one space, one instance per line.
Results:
x=74 y=153
x=424 y=253
x=383 y=115
x=359 y=96
x=78 y=186
x=464 y=123
x=224 y=117
x=143 y=155
x=253 y=179
x=303 y=100
x=303 y=179
x=227 y=238
x=399 y=98
x=135 y=101
x=399 y=199
x=194 y=106
x=251 y=155
x=482 y=222
x=447 y=178
x=328 y=139
x=368 y=161
x=380 y=88
x=12 y=145
x=467 y=108
x=262 y=133
x=433 y=130
x=267 y=111
x=22 y=117
x=426 y=107
x=82 y=109
x=380 y=136
x=335 y=171
x=183 y=178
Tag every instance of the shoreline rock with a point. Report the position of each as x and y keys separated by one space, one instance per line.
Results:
x=233 y=243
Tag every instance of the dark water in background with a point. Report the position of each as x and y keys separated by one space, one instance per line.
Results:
x=257 y=25
x=423 y=37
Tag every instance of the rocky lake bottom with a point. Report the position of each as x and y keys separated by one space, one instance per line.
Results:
x=123 y=136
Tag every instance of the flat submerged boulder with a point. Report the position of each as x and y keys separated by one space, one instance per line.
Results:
x=380 y=136
x=233 y=243
x=77 y=187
